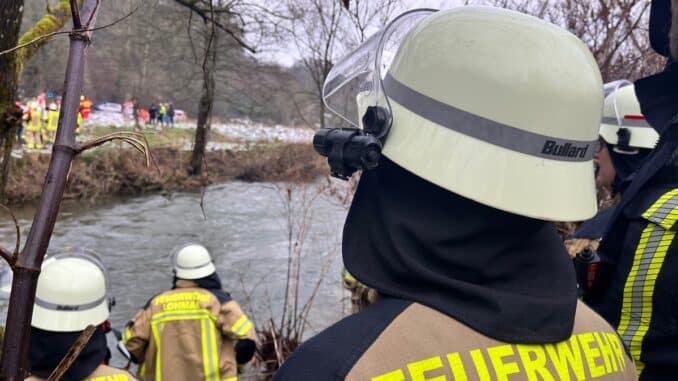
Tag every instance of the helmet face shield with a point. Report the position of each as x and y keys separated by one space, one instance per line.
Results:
x=355 y=82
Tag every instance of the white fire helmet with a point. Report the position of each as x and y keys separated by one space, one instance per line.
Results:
x=192 y=261
x=623 y=125
x=72 y=292
x=494 y=105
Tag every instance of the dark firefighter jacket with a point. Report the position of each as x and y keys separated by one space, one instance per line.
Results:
x=637 y=286
x=468 y=292
x=189 y=333
x=642 y=297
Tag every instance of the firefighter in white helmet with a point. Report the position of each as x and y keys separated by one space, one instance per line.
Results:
x=626 y=140
x=72 y=294
x=195 y=331
x=487 y=120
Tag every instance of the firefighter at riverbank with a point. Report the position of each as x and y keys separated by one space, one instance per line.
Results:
x=636 y=288
x=72 y=293
x=52 y=122
x=33 y=135
x=195 y=331
x=488 y=120
x=627 y=139
x=85 y=107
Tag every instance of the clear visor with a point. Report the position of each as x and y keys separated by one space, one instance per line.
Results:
x=612 y=88
x=355 y=82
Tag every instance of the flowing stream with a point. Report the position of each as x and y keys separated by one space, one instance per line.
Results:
x=246 y=231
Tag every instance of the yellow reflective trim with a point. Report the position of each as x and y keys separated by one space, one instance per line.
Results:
x=213 y=348
x=636 y=313
x=126 y=335
x=246 y=328
x=178 y=315
x=205 y=353
x=230 y=379
x=158 y=346
x=142 y=370
x=663 y=212
x=238 y=324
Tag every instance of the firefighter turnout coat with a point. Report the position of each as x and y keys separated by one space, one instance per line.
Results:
x=102 y=373
x=188 y=333
x=642 y=297
x=398 y=340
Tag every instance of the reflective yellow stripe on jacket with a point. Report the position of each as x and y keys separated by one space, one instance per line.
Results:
x=210 y=356
x=242 y=326
x=647 y=263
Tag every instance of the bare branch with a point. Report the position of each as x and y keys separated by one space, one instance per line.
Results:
x=75 y=13
x=50 y=35
x=72 y=353
x=18 y=233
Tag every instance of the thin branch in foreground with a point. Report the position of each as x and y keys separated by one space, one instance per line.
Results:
x=17 y=247
x=50 y=35
x=73 y=353
x=131 y=138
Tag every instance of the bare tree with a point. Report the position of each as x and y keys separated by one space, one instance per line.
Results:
x=324 y=30
x=212 y=13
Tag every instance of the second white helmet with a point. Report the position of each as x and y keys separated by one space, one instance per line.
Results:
x=192 y=261
x=72 y=293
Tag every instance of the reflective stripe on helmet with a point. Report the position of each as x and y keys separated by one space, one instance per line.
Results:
x=627 y=122
x=192 y=267
x=69 y=307
x=487 y=130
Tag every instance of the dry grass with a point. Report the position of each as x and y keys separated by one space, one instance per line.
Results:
x=121 y=172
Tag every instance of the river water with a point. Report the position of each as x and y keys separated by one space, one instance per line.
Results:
x=246 y=231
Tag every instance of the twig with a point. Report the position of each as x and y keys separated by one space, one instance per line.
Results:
x=18 y=234
x=7 y=256
x=75 y=13
x=204 y=188
x=131 y=138
x=72 y=353
x=50 y=35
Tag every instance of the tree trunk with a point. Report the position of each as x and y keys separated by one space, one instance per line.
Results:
x=27 y=266
x=11 y=12
x=206 y=103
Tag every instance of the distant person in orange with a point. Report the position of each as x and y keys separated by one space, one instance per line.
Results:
x=85 y=107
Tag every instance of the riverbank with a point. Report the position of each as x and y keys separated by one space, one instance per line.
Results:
x=111 y=172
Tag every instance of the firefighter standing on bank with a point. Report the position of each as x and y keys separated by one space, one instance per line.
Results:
x=488 y=119
x=194 y=331
x=636 y=288
x=72 y=293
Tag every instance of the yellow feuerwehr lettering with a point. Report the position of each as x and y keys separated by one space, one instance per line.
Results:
x=591 y=354
x=566 y=355
x=457 y=367
x=533 y=358
x=607 y=353
x=419 y=369
x=481 y=366
x=182 y=305
x=615 y=343
x=181 y=296
x=502 y=369
x=396 y=375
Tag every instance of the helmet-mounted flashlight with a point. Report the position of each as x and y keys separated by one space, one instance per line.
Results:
x=352 y=149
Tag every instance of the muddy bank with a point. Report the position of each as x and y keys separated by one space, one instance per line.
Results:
x=122 y=172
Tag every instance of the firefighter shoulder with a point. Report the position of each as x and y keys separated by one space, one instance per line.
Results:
x=452 y=219
x=194 y=331
x=72 y=293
